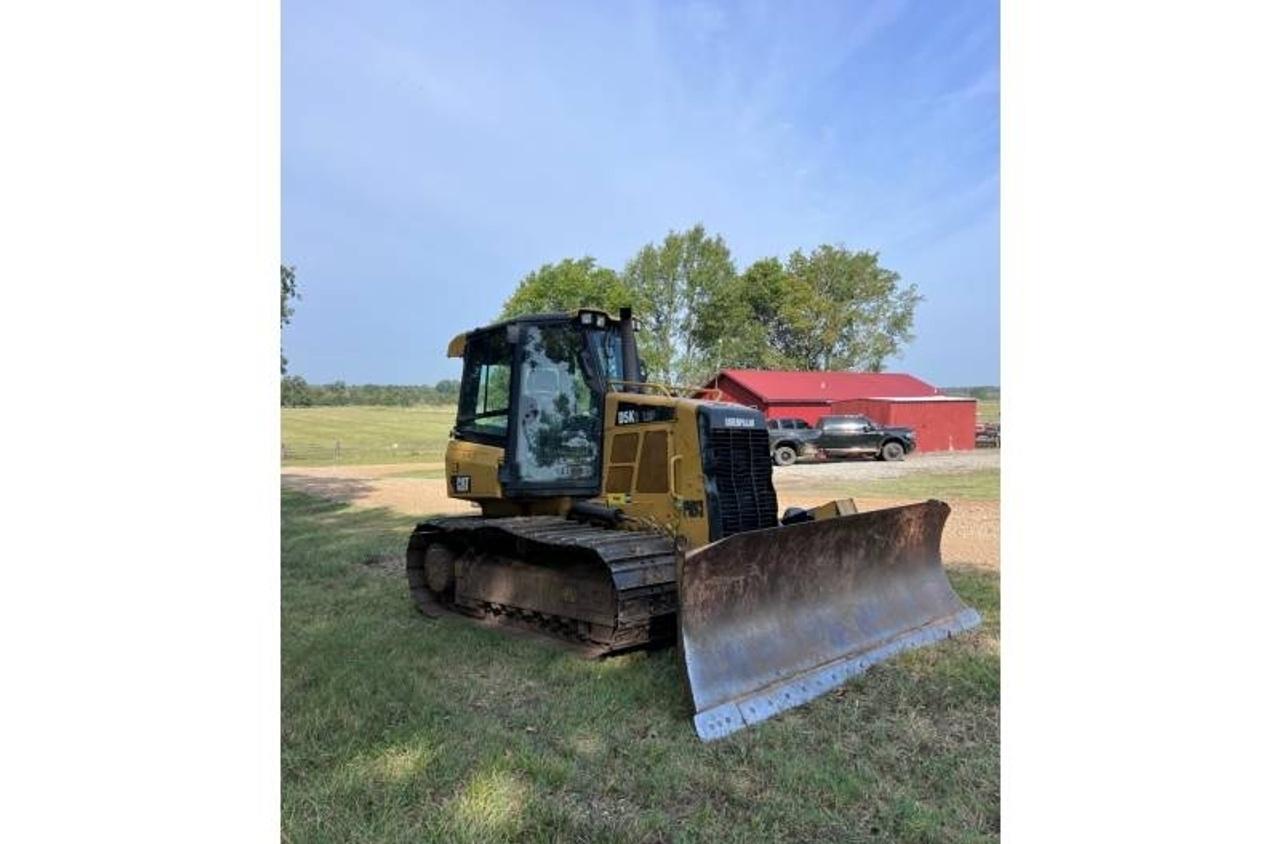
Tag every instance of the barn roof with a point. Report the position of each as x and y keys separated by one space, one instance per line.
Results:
x=786 y=386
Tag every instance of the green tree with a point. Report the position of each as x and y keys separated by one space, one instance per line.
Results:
x=676 y=288
x=742 y=326
x=828 y=309
x=294 y=392
x=566 y=286
x=842 y=310
x=288 y=292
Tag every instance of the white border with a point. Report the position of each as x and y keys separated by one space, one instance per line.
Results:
x=140 y=602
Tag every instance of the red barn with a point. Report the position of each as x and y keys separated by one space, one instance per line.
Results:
x=941 y=423
x=891 y=398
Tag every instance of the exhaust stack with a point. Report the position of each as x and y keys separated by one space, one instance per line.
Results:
x=630 y=357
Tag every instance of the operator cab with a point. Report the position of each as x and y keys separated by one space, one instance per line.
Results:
x=534 y=386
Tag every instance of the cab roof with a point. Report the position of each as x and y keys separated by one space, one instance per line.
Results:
x=458 y=345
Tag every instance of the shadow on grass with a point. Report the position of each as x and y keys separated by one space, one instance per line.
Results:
x=331 y=488
x=396 y=727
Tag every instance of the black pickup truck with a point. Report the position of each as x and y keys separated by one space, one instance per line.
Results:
x=837 y=436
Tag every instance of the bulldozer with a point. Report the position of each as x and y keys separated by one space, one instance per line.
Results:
x=616 y=514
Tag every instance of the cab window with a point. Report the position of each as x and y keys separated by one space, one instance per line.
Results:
x=606 y=345
x=486 y=387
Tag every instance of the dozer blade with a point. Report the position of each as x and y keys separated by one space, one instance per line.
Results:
x=770 y=619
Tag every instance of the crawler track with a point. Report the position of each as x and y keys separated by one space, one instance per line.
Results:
x=598 y=589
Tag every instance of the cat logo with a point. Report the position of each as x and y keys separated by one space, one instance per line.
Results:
x=462 y=483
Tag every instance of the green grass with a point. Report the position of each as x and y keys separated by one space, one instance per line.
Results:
x=359 y=435
x=979 y=485
x=400 y=728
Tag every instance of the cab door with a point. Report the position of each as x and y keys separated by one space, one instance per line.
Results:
x=836 y=434
x=557 y=416
x=862 y=434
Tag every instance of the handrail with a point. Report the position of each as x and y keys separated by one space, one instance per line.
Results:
x=668 y=390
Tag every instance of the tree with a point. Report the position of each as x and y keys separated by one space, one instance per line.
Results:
x=294 y=392
x=828 y=309
x=842 y=310
x=288 y=292
x=741 y=325
x=675 y=288
x=566 y=286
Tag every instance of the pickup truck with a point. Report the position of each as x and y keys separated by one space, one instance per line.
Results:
x=837 y=436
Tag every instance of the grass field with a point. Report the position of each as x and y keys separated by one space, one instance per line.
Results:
x=979 y=485
x=989 y=410
x=399 y=728
x=362 y=435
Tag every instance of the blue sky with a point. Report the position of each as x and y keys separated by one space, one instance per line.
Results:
x=433 y=154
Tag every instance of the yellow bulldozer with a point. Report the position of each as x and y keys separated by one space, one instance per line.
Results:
x=617 y=514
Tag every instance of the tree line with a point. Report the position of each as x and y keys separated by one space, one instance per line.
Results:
x=296 y=392
x=829 y=308
x=985 y=393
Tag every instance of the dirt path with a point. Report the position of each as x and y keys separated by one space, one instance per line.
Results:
x=375 y=486
x=972 y=536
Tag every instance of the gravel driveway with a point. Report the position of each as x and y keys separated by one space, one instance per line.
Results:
x=934 y=462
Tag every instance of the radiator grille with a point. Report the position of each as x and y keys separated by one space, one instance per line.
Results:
x=739 y=463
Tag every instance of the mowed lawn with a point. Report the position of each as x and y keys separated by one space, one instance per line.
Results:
x=978 y=485
x=363 y=435
x=400 y=728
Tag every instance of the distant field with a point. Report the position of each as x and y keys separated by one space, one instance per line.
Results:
x=361 y=435
x=989 y=410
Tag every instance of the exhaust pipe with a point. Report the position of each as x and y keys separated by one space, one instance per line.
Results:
x=630 y=358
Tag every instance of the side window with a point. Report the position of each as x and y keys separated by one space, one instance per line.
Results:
x=789 y=424
x=486 y=385
x=802 y=425
x=559 y=423
x=606 y=345
x=772 y=425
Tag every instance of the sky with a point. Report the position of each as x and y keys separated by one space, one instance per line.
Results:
x=433 y=154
